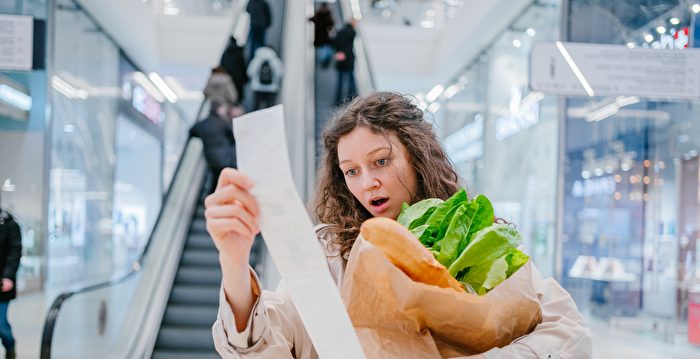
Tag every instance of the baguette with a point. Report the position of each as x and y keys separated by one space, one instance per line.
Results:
x=406 y=252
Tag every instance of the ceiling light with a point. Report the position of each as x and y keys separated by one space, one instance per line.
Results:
x=427 y=24
x=171 y=10
x=434 y=93
x=146 y=84
x=695 y=8
x=648 y=37
x=517 y=43
x=577 y=72
x=530 y=32
x=15 y=97
x=661 y=29
x=674 y=21
x=163 y=87
x=434 y=107
x=451 y=91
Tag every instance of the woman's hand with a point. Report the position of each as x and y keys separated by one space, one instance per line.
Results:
x=477 y=356
x=231 y=215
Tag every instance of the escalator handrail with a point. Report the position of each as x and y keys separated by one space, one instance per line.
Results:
x=56 y=305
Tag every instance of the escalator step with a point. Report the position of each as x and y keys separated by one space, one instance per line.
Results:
x=179 y=354
x=195 y=339
x=189 y=316
x=198 y=276
x=200 y=257
x=200 y=241
x=198 y=226
x=192 y=294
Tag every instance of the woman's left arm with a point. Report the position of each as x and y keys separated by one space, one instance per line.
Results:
x=561 y=334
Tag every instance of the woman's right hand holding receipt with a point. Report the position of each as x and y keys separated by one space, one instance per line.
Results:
x=231 y=214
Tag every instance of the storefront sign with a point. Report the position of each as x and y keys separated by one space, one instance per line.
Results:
x=16 y=34
x=521 y=115
x=593 y=187
x=142 y=102
x=466 y=143
x=615 y=70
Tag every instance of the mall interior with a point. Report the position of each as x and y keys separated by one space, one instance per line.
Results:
x=579 y=119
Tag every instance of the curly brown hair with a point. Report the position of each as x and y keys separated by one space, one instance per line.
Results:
x=383 y=113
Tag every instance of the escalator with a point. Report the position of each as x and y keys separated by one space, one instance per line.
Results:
x=185 y=331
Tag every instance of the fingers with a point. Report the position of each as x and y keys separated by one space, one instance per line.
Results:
x=226 y=225
x=233 y=211
x=230 y=194
x=233 y=176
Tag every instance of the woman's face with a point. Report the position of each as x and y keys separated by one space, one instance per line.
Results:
x=377 y=172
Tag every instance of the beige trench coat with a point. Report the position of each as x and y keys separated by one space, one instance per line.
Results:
x=275 y=330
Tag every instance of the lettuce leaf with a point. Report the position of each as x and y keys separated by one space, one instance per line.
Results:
x=489 y=244
x=418 y=213
x=441 y=217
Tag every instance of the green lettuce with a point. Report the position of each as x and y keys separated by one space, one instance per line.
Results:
x=462 y=235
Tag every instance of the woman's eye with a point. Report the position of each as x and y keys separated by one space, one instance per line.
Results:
x=351 y=172
x=381 y=162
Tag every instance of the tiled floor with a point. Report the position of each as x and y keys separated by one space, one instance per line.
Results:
x=27 y=317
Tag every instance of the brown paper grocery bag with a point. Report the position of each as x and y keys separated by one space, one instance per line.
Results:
x=395 y=317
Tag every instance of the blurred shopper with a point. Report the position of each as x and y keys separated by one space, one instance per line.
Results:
x=379 y=152
x=10 y=253
x=216 y=132
x=323 y=26
x=265 y=71
x=345 y=62
x=220 y=88
x=260 y=20
x=233 y=61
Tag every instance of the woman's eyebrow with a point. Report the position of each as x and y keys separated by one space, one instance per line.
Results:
x=369 y=153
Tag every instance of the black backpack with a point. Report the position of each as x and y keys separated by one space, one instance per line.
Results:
x=265 y=75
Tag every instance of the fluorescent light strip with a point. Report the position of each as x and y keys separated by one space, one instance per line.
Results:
x=15 y=97
x=142 y=80
x=575 y=69
x=163 y=87
x=451 y=91
x=434 y=93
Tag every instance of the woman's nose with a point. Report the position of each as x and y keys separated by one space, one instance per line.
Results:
x=371 y=183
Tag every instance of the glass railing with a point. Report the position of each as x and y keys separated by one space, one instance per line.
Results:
x=119 y=316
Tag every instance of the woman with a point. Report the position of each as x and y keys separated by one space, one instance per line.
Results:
x=379 y=153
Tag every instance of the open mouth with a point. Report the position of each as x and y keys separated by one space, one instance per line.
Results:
x=378 y=201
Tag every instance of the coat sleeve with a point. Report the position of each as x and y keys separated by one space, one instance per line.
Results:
x=273 y=330
x=14 y=251
x=561 y=334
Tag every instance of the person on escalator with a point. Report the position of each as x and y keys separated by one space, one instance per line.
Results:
x=260 y=20
x=10 y=253
x=266 y=71
x=323 y=26
x=216 y=132
x=345 y=62
x=233 y=61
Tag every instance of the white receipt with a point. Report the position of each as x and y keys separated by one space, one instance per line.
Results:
x=261 y=150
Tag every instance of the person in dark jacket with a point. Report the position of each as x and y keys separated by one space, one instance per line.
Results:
x=10 y=253
x=260 y=20
x=233 y=61
x=323 y=25
x=345 y=61
x=216 y=132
